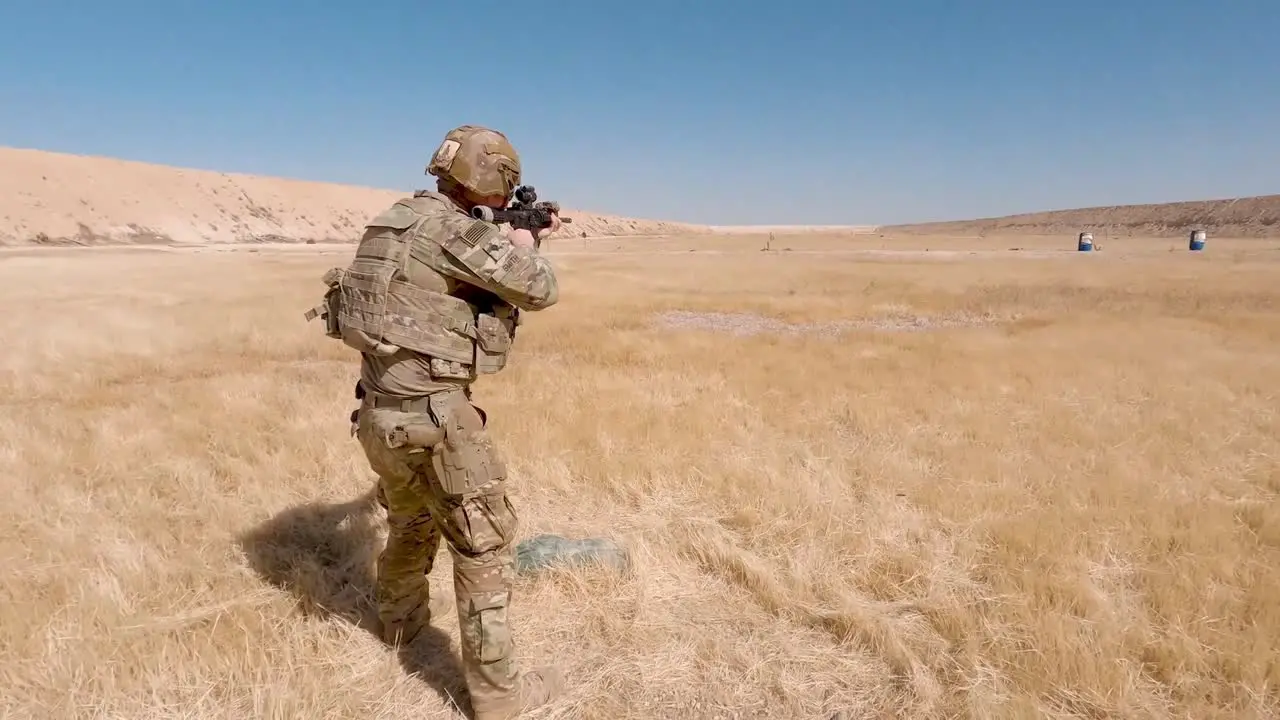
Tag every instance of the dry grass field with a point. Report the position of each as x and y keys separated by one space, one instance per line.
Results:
x=966 y=482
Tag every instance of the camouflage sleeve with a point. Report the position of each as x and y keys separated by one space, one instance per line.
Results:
x=480 y=254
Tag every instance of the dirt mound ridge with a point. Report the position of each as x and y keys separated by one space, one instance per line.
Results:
x=56 y=198
x=1234 y=217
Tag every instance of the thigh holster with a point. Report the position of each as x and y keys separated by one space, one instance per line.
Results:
x=465 y=460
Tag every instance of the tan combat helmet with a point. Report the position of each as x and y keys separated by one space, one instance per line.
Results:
x=479 y=159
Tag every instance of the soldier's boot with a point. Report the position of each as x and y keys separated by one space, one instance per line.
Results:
x=534 y=689
x=404 y=629
x=482 y=587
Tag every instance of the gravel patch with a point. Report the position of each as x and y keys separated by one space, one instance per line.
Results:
x=744 y=324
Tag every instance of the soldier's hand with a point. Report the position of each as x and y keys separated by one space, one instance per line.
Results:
x=555 y=225
x=521 y=238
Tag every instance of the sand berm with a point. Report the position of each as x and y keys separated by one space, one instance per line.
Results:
x=51 y=198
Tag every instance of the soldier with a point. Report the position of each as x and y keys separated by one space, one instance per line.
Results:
x=432 y=301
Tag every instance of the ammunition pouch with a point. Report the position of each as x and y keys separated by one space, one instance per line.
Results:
x=494 y=335
x=330 y=307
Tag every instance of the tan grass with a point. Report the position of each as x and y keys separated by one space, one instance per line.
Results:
x=1067 y=512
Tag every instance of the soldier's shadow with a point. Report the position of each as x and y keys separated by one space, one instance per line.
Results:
x=325 y=554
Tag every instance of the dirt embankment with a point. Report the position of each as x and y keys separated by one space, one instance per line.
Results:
x=60 y=199
x=1239 y=217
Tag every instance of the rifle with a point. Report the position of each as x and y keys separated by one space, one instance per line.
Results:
x=526 y=212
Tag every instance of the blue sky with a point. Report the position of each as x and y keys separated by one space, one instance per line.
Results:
x=809 y=111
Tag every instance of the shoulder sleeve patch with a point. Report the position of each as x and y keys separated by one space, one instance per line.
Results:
x=511 y=263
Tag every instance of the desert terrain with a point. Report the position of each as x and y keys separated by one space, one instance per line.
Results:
x=859 y=474
x=60 y=199
x=1252 y=217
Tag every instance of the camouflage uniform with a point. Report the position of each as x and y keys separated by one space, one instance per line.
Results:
x=432 y=300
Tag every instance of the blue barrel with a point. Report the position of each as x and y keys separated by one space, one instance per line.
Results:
x=1085 y=242
x=1197 y=240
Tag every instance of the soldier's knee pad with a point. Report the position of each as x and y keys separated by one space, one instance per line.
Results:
x=483 y=526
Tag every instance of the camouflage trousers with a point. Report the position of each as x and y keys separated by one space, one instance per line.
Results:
x=455 y=490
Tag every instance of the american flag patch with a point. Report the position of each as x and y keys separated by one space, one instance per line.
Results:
x=476 y=232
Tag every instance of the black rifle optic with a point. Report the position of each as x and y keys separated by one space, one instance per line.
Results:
x=526 y=212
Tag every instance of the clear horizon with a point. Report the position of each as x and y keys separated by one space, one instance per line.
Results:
x=813 y=113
